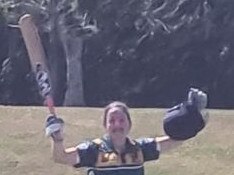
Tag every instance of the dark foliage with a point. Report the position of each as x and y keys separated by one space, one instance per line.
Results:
x=146 y=53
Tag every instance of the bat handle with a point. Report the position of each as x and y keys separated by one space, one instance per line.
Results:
x=49 y=102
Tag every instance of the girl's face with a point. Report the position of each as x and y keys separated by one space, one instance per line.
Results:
x=117 y=123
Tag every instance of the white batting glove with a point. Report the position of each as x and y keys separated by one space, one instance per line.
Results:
x=197 y=98
x=53 y=126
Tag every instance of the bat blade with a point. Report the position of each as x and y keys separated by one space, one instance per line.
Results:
x=32 y=41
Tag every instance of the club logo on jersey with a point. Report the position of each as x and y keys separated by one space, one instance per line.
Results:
x=109 y=157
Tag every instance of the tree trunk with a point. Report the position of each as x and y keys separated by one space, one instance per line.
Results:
x=75 y=94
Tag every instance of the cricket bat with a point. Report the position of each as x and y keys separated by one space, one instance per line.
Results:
x=35 y=50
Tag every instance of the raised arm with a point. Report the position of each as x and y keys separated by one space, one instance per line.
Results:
x=166 y=143
x=54 y=129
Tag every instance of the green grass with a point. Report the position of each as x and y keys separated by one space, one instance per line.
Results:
x=25 y=150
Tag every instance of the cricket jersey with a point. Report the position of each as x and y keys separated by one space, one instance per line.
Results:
x=100 y=157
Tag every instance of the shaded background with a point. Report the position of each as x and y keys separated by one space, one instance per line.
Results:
x=146 y=53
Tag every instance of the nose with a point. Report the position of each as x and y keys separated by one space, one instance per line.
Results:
x=117 y=123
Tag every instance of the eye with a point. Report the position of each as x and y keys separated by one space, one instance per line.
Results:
x=121 y=120
x=112 y=121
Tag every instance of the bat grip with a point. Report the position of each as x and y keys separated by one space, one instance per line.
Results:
x=49 y=102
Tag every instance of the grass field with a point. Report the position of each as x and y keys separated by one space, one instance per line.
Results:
x=24 y=150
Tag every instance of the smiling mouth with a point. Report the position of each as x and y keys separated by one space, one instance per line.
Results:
x=119 y=130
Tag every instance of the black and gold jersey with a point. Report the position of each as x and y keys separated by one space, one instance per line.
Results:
x=100 y=157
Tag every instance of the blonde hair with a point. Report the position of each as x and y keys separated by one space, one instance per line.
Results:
x=122 y=106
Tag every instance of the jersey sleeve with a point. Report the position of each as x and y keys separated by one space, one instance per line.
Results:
x=150 y=148
x=87 y=152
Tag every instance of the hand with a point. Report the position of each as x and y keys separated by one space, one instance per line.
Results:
x=54 y=127
x=197 y=98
